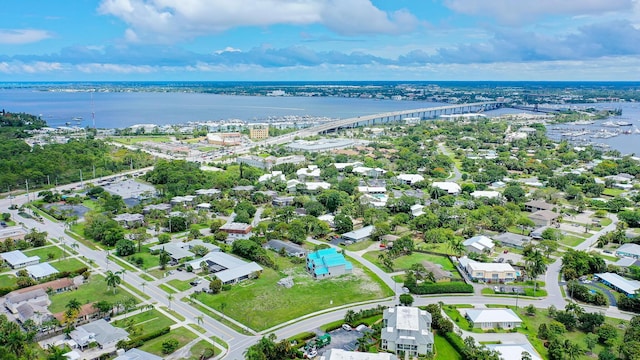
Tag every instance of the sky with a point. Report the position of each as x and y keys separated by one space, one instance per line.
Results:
x=319 y=40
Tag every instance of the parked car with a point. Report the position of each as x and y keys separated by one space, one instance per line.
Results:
x=346 y=327
x=195 y=282
x=501 y=260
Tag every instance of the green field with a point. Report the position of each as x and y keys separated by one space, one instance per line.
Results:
x=182 y=334
x=67 y=264
x=360 y=245
x=571 y=240
x=94 y=290
x=150 y=320
x=180 y=285
x=272 y=304
x=199 y=347
x=7 y=280
x=44 y=251
x=444 y=350
x=405 y=262
x=454 y=314
x=612 y=192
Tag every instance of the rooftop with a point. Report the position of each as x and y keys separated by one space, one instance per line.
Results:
x=339 y=354
x=492 y=315
x=17 y=257
x=407 y=318
x=514 y=351
x=42 y=270
x=626 y=285
x=629 y=248
x=360 y=233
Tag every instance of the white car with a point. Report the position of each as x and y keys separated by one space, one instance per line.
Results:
x=346 y=327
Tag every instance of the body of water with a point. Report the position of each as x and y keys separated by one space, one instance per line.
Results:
x=123 y=109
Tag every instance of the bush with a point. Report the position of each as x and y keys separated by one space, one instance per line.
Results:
x=624 y=303
x=169 y=346
x=582 y=293
x=441 y=288
x=140 y=340
x=300 y=339
x=456 y=342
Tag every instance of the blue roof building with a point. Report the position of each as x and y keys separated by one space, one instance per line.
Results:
x=327 y=263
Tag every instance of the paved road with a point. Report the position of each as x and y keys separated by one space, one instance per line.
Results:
x=591 y=241
x=457 y=175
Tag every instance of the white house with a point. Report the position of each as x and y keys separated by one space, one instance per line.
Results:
x=488 y=272
x=478 y=244
x=17 y=259
x=41 y=271
x=450 y=187
x=407 y=329
x=409 y=179
x=485 y=194
x=359 y=235
x=100 y=332
x=274 y=176
x=339 y=354
x=312 y=172
x=493 y=318
x=514 y=351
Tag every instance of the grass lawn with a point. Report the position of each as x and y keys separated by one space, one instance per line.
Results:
x=180 y=285
x=94 y=290
x=444 y=350
x=160 y=274
x=613 y=192
x=137 y=139
x=199 y=347
x=7 y=280
x=182 y=334
x=605 y=222
x=150 y=320
x=405 y=262
x=272 y=304
x=441 y=248
x=531 y=324
x=148 y=259
x=43 y=252
x=167 y=289
x=528 y=291
x=455 y=316
x=571 y=240
x=360 y=245
x=67 y=264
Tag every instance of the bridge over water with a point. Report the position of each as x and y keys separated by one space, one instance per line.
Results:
x=382 y=118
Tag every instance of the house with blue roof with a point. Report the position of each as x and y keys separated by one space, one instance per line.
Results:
x=327 y=263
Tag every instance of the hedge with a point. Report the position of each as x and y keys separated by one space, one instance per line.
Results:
x=301 y=339
x=441 y=288
x=140 y=340
x=629 y=304
x=456 y=342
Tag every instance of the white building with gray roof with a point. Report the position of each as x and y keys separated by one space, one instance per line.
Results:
x=17 y=259
x=407 y=329
x=100 y=332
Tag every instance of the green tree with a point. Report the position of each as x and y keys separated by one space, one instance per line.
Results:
x=113 y=280
x=535 y=265
x=343 y=223
x=125 y=247
x=215 y=285
x=169 y=346
x=406 y=299
x=163 y=259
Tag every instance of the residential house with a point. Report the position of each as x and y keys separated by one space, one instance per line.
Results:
x=514 y=351
x=327 y=218
x=408 y=330
x=339 y=354
x=311 y=172
x=290 y=248
x=41 y=271
x=485 y=194
x=515 y=241
x=342 y=166
x=280 y=201
x=31 y=310
x=129 y=220
x=183 y=201
x=629 y=250
x=236 y=230
x=17 y=259
x=37 y=293
x=478 y=244
x=409 y=179
x=627 y=262
x=438 y=272
x=317 y=185
x=417 y=210
x=208 y=192
x=135 y=354
x=617 y=282
x=544 y=217
x=100 y=332
x=13 y=232
x=175 y=250
x=274 y=176
x=488 y=272
x=87 y=312
x=359 y=235
x=367 y=171
x=327 y=263
x=450 y=187
x=493 y=318
x=537 y=232
x=537 y=205
x=165 y=208
x=197 y=242
x=229 y=269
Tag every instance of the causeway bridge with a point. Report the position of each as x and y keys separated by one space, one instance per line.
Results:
x=382 y=118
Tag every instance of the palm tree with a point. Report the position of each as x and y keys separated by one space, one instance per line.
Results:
x=349 y=316
x=573 y=350
x=456 y=247
x=113 y=280
x=200 y=319
x=121 y=272
x=143 y=284
x=170 y=298
x=535 y=265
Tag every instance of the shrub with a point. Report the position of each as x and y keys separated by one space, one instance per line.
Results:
x=442 y=288
x=169 y=346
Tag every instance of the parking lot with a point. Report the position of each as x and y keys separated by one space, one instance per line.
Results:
x=515 y=258
x=343 y=339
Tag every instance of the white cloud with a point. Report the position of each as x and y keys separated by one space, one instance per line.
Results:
x=170 y=20
x=116 y=68
x=516 y=12
x=18 y=67
x=226 y=50
x=22 y=36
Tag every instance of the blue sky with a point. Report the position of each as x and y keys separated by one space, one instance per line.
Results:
x=320 y=40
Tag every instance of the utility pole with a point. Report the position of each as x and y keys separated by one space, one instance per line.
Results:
x=81 y=185
x=10 y=197
x=27 y=183
x=48 y=181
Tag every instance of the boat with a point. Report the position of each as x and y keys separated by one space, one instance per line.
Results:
x=609 y=124
x=583 y=122
x=623 y=123
x=636 y=131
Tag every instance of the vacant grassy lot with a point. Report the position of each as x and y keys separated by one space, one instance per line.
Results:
x=7 y=280
x=182 y=334
x=405 y=262
x=272 y=304
x=180 y=285
x=67 y=264
x=43 y=253
x=198 y=349
x=94 y=290
x=571 y=240
x=149 y=321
